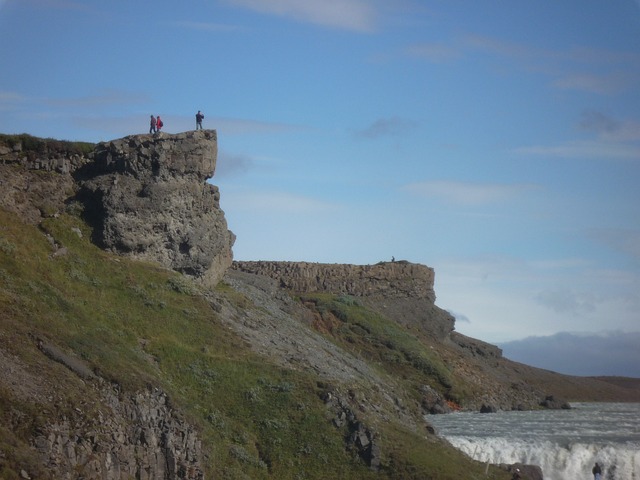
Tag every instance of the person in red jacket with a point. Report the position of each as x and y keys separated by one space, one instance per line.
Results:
x=159 y=123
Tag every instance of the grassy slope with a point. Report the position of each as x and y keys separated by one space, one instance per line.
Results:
x=139 y=325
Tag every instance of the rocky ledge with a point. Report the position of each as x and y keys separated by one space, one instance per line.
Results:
x=145 y=196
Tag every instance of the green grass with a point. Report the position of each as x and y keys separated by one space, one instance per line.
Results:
x=29 y=143
x=137 y=324
x=380 y=341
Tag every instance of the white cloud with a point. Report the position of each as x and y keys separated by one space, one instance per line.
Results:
x=208 y=26
x=584 y=149
x=354 y=15
x=467 y=193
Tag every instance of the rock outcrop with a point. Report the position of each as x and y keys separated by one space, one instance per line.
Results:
x=390 y=279
x=137 y=436
x=400 y=290
x=148 y=197
x=36 y=175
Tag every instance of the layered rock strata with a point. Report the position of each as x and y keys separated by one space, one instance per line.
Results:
x=148 y=197
x=400 y=290
x=390 y=279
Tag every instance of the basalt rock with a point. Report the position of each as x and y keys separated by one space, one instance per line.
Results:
x=148 y=197
x=389 y=279
x=400 y=290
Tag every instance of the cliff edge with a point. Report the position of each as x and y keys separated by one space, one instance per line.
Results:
x=145 y=196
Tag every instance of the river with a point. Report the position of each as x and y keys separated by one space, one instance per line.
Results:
x=564 y=443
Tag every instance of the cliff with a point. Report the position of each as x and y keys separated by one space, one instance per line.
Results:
x=148 y=197
x=132 y=347
x=401 y=290
x=394 y=279
x=145 y=196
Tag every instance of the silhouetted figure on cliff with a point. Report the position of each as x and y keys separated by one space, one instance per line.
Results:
x=153 y=124
x=159 y=124
x=199 y=118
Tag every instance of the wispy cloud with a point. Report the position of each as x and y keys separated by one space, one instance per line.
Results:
x=208 y=26
x=101 y=98
x=566 y=301
x=353 y=15
x=626 y=241
x=52 y=4
x=584 y=149
x=467 y=193
x=434 y=52
x=386 y=127
x=240 y=126
x=609 y=128
x=230 y=164
x=614 y=139
x=11 y=97
x=597 y=71
x=603 y=84
x=499 y=47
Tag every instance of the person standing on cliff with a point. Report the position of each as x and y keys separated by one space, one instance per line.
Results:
x=152 y=127
x=199 y=118
x=597 y=472
x=159 y=123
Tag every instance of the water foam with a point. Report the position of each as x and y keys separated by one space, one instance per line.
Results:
x=564 y=443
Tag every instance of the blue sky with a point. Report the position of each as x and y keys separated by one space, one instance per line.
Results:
x=496 y=141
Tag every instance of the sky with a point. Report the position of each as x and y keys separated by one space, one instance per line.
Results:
x=497 y=142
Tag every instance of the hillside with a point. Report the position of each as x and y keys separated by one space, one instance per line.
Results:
x=131 y=347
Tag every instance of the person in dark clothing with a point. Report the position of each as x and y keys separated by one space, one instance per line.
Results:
x=153 y=124
x=516 y=475
x=597 y=472
x=199 y=118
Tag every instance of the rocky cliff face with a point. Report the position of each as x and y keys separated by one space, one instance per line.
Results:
x=36 y=175
x=401 y=290
x=148 y=196
x=107 y=433
x=390 y=279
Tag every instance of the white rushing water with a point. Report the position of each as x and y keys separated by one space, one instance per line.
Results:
x=564 y=443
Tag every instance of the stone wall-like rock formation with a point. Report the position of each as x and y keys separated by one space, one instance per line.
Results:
x=148 y=197
x=390 y=279
x=400 y=290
